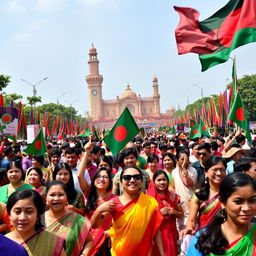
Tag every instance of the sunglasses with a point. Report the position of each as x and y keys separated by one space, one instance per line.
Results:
x=201 y=154
x=128 y=177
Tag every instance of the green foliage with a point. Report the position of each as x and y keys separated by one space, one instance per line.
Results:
x=33 y=100
x=247 y=89
x=11 y=97
x=4 y=81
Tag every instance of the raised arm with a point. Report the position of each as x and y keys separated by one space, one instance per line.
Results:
x=85 y=187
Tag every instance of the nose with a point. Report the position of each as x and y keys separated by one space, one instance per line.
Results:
x=246 y=207
x=22 y=215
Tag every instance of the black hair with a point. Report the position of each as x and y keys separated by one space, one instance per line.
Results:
x=35 y=197
x=170 y=147
x=95 y=149
x=39 y=172
x=128 y=167
x=159 y=172
x=91 y=203
x=152 y=157
x=240 y=138
x=16 y=149
x=72 y=193
x=17 y=162
x=162 y=146
x=56 y=152
x=39 y=158
x=107 y=159
x=244 y=164
x=252 y=152
x=172 y=158
x=145 y=144
x=212 y=239
x=130 y=151
x=204 y=146
x=71 y=151
x=7 y=151
x=214 y=145
x=194 y=144
x=178 y=154
x=204 y=187
x=54 y=183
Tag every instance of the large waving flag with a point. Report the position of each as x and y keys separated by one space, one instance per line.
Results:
x=214 y=38
x=38 y=146
x=238 y=115
x=198 y=130
x=123 y=131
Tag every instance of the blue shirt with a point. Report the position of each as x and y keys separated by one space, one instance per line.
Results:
x=192 y=251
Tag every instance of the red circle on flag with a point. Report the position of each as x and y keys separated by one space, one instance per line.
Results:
x=203 y=128
x=240 y=114
x=38 y=144
x=192 y=124
x=195 y=131
x=120 y=133
x=6 y=118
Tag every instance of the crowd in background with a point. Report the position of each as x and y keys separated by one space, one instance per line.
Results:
x=161 y=195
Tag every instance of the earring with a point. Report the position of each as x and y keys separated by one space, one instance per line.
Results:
x=224 y=214
x=205 y=180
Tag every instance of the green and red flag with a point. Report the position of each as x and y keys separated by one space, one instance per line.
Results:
x=195 y=132
x=142 y=132
x=204 y=129
x=85 y=133
x=123 y=131
x=214 y=38
x=38 y=146
x=192 y=123
x=238 y=115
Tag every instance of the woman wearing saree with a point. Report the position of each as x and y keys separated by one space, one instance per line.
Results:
x=170 y=208
x=230 y=232
x=25 y=208
x=69 y=225
x=136 y=218
x=34 y=177
x=169 y=163
x=204 y=204
x=62 y=172
x=16 y=176
x=100 y=193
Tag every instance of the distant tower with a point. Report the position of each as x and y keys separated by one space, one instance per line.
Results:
x=156 y=96
x=94 y=81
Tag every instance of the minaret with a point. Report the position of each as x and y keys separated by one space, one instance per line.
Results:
x=94 y=81
x=156 y=96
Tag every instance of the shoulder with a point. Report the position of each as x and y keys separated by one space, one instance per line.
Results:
x=9 y=247
x=192 y=251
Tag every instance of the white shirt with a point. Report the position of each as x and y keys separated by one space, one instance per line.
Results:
x=75 y=178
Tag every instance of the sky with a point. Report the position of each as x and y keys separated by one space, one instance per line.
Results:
x=134 y=38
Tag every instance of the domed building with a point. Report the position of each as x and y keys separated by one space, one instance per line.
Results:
x=103 y=110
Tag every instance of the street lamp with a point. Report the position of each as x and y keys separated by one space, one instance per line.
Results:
x=34 y=85
x=202 y=92
x=57 y=98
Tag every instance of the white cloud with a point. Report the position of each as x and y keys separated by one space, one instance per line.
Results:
x=50 y=5
x=106 y=4
x=15 y=6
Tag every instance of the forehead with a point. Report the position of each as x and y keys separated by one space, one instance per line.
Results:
x=203 y=150
x=244 y=192
x=161 y=176
x=63 y=170
x=71 y=155
x=129 y=156
x=14 y=169
x=24 y=203
x=131 y=171
x=56 y=188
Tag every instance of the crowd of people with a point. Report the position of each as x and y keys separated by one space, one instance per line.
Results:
x=160 y=196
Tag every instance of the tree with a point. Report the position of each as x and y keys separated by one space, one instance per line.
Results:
x=4 y=81
x=33 y=100
x=11 y=97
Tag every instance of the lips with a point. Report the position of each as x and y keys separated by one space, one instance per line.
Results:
x=22 y=225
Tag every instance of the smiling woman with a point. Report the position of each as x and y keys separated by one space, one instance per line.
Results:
x=25 y=208
x=231 y=228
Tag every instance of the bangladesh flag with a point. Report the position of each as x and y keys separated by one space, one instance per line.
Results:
x=142 y=132
x=198 y=130
x=214 y=38
x=38 y=146
x=238 y=115
x=123 y=131
x=85 y=133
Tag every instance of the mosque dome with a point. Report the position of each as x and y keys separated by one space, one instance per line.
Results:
x=128 y=93
x=93 y=50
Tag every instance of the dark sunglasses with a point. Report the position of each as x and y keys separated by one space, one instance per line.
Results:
x=128 y=177
x=201 y=154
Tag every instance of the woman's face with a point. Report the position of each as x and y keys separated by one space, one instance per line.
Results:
x=161 y=183
x=168 y=163
x=102 y=181
x=14 y=175
x=56 y=198
x=216 y=173
x=63 y=175
x=153 y=165
x=23 y=215
x=183 y=160
x=55 y=159
x=241 y=205
x=104 y=164
x=131 y=180
x=147 y=150
x=33 y=178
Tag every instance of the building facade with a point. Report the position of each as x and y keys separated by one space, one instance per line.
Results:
x=104 y=110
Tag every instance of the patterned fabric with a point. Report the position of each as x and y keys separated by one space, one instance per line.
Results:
x=44 y=243
x=73 y=228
